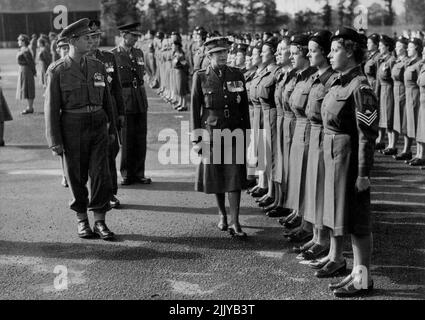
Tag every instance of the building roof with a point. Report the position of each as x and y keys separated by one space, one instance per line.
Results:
x=25 y=6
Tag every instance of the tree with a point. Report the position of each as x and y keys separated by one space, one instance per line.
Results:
x=391 y=15
x=377 y=14
x=326 y=14
x=184 y=15
x=414 y=11
x=270 y=14
x=341 y=12
x=253 y=8
x=349 y=11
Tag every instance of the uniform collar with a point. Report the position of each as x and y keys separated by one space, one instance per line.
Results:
x=372 y=54
x=324 y=77
x=350 y=75
x=385 y=58
x=413 y=61
x=74 y=66
x=304 y=74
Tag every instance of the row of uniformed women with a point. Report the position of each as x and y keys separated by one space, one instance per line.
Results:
x=172 y=71
x=399 y=82
x=305 y=159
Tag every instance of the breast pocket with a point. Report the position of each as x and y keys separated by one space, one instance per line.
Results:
x=71 y=91
x=334 y=105
x=266 y=89
x=421 y=80
x=411 y=75
x=210 y=97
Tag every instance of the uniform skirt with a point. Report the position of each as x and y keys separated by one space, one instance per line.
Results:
x=26 y=84
x=289 y=122
x=412 y=110
x=250 y=156
x=269 y=136
x=181 y=82
x=5 y=114
x=386 y=102
x=278 y=170
x=345 y=209
x=315 y=178
x=400 y=125
x=220 y=177
x=420 y=132
x=297 y=166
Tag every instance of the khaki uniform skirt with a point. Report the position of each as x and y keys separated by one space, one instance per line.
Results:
x=26 y=84
x=315 y=178
x=278 y=169
x=298 y=166
x=269 y=140
x=386 y=103
x=400 y=125
x=288 y=128
x=420 y=132
x=412 y=110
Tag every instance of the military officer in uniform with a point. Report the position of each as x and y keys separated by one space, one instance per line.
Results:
x=114 y=82
x=131 y=68
x=219 y=101
x=78 y=112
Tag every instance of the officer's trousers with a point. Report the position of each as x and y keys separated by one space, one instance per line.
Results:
x=114 y=148
x=133 y=149
x=85 y=139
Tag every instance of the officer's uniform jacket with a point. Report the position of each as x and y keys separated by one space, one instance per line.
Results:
x=68 y=88
x=298 y=99
x=351 y=107
x=383 y=74
x=200 y=59
x=113 y=78
x=267 y=86
x=219 y=104
x=371 y=66
x=289 y=86
x=131 y=67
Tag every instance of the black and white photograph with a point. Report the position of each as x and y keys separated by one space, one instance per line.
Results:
x=212 y=155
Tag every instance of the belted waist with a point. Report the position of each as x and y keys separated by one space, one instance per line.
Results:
x=267 y=106
x=85 y=109
x=132 y=84
x=334 y=132
x=219 y=112
x=288 y=114
x=316 y=124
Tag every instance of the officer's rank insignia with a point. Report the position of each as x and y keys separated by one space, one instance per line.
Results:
x=99 y=80
x=235 y=86
x=109 y=78
x=140 y=61
x=238 y=98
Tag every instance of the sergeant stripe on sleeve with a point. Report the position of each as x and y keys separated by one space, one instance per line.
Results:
x=368 y=120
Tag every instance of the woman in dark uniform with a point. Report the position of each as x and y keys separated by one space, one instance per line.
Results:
x=299 y=149
x=350 y=120
x=45 y=59
x=219 y=101
x=397 y=74
x=384 y=90
x=257 y=125
x=181 y=76
x=420 y=132
x=319 y=48
x=265 y=91
x=411 y=74
x=26 y=84
x=286 y=73
x=5 y=115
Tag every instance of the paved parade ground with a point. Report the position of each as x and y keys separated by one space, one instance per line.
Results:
x=168 y=246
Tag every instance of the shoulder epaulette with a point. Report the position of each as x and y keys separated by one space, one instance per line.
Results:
x=55 y=64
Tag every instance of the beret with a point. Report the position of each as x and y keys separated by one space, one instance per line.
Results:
x=347 y=34
x=300 y=40
x=323 y=39
x=416 y=42
x=242 y=47
x=272 y=43
x=403 y=40
x=388 y=41
x=374 y=37
x=77 y=29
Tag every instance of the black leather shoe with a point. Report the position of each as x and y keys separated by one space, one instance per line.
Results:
x=302 y=248
x=279 y=212
x=2 y=143
x=417 y=162
x=290 y=214
x=301 y=236
x=237 y=232
x=127 y=181
x=84 y=230
x=102 y=231
x=64 y=183
x=314 y=252
x=268 y=201
x=269 y=208
x=318 y=264
x=259 y=193
x=340 y=284
x=331 y=269
x=380 y=146
x=143 y=180
x=114 y=202
x=390 y=152
x=409 y=161
x=350 y=290
x=293 y=223
x=253 y=189
x=403 y=156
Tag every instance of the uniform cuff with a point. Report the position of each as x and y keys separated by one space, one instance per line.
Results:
x=363 y=171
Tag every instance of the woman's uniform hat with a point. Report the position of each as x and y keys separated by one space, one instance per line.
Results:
x=388 y=41
x=77 y=29
x=323 y=39
x=418 y=43
x=375 y=38
x=272 y=43
x=347 y=34
x=242 y=47
x=300 y=40
x=403 y=40
x=216 y=44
